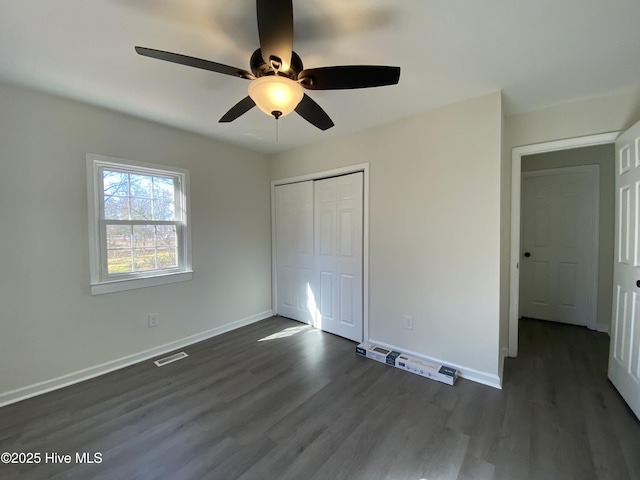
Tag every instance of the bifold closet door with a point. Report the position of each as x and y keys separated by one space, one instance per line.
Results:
x=294 y=250
x=338 y=255
x=319 y=235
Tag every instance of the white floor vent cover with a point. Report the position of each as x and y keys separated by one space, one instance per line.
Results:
x=171 y=358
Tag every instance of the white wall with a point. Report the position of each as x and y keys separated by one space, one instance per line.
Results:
x=434 y=227
x=50 y=325
x=576 y=119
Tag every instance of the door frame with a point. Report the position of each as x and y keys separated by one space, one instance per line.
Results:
x=361 y=167
x=594 y=173
x=516 y=202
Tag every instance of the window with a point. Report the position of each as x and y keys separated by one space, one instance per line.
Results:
x=138 y=224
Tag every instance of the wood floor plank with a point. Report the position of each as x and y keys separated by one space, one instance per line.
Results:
x=545 y=453
x=280 y=400
x=363 y=444
x=626 y=427
x=474 y=468
x=289 y=452
x=576 y=460
x=421 y=442
x=608 y=459
x=490 y=409
x=235 y=465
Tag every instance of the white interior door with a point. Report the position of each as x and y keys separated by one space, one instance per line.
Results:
x=624 y=351
x=558 y=266
x=295 y=263
x=337 y=292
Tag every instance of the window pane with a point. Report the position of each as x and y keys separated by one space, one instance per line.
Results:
x=141 y=186
x=141 y=209
x=119 y=236
x=119 y=261
x=143 y=236
x=163 y=199
x=163 y=187
x=116 y=208
x=144 y=259
x=163 y=209
x=166 y=235
x=167 y=257
x=115 y=183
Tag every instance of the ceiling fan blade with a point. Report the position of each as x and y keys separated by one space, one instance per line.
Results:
x=313 y=113
x=240 y=108
x=275 y=29
x=349 y=76
x=194 y=62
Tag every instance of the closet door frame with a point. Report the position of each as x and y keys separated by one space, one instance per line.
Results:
x=361 y=167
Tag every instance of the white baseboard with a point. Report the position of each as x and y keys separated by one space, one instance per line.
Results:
x=23 y=393
x=602 y=328
x=477 y=376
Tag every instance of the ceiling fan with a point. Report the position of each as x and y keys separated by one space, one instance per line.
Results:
x=277 y=75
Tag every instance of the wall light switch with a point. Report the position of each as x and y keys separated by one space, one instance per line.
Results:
x=153 y=320
x=408 y=322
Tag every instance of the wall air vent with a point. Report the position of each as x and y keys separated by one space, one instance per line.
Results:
x=171 y=358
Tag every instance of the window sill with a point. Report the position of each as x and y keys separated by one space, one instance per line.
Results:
x=135 y=283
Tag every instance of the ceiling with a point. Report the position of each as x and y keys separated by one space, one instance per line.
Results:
x=539 y=53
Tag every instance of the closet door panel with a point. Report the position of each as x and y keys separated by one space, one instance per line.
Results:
x=295 y=264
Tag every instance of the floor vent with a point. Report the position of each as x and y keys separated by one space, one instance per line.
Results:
x=171 y=358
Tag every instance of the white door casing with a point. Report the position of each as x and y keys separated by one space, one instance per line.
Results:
x=294 y=249
x=624 y=350
x=558 y=274
x=338 y=253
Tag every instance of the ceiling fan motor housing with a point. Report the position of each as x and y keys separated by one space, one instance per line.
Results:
x=260 y=68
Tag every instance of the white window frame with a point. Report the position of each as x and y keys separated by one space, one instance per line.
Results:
x=100 y=281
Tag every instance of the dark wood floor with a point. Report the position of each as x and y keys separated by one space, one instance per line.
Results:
x=258 y=404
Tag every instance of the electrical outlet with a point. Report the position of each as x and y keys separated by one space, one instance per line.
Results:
x=153 y=320
x=408 y=322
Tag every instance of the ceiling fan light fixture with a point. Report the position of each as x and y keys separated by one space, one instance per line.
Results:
x=274 y=93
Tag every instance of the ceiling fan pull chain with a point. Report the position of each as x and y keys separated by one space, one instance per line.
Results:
x=277 y=129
